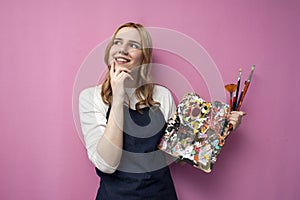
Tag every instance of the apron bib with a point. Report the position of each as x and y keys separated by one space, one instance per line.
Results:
x=142 y=173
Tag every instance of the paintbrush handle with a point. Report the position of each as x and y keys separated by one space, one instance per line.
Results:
x=234 y=103
x=239 y=100
x=236 y=96
x=247 y=83
x=230 y=103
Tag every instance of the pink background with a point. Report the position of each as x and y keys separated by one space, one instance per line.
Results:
x=43 y=44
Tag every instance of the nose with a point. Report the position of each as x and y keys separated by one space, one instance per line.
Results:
x=123 y=49
x=123 y=52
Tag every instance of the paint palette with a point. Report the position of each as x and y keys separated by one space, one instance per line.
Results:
x=197 y=131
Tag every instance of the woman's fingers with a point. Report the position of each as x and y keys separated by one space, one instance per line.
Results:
x=237 y=113
x=112 y=68
x=128 y=75
x=235 y=118
x=117 y=72
x=123 y=75
x=120 y=70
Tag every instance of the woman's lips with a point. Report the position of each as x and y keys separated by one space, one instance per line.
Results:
x=122 y=60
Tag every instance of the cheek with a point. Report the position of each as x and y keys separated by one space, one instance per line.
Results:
x=138 y=57
x=112 y=52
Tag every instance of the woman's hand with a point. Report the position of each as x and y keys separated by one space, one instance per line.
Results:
x=235 y=119
x=117 y=78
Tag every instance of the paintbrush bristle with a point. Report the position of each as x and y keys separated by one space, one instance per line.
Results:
x=231 y=87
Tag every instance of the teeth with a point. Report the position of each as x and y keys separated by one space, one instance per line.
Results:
x=122 y=60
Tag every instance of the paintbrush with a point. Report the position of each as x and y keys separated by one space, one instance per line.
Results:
x=244 y=91
x=230 y=88
x=234 y=107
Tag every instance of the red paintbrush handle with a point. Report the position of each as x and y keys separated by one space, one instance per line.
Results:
x=243 y=95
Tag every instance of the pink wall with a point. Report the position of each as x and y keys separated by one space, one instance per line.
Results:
x=43 y=44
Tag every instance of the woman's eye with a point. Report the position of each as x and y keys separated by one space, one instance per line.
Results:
x=135 y=46
x=117 y=42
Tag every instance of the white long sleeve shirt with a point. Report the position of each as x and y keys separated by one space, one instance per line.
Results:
x=92 y=111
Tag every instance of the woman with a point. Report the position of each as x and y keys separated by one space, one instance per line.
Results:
x=124 y=118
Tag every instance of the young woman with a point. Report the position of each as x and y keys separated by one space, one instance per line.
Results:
x=124 y=118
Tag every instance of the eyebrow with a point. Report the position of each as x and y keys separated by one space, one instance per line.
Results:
x=132 y=41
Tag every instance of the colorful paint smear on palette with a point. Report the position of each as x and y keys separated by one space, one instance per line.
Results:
x=197 y=131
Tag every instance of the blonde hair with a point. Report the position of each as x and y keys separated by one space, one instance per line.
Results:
x=145 y=90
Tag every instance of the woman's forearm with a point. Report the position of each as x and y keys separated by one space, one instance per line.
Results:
x=110 y=145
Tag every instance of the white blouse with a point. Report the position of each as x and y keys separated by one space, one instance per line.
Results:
x=92 y=111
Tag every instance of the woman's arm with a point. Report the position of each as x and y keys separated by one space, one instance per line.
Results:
x=110 y=145
x=104 y=139
x=93 y=121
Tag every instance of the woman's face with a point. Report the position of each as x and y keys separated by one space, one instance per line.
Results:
x=126 y=50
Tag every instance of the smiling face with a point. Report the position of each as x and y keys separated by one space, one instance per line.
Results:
x=126 y=49
x=131 y=46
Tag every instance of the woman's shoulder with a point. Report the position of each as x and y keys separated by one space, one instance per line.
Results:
x=91 y=94
x=161 y=92
x=164 y=96
x=90 y=91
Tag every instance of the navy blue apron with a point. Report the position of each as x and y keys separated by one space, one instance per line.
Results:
x=139 y=179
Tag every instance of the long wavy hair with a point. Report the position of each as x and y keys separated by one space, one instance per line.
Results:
x=145 y=90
